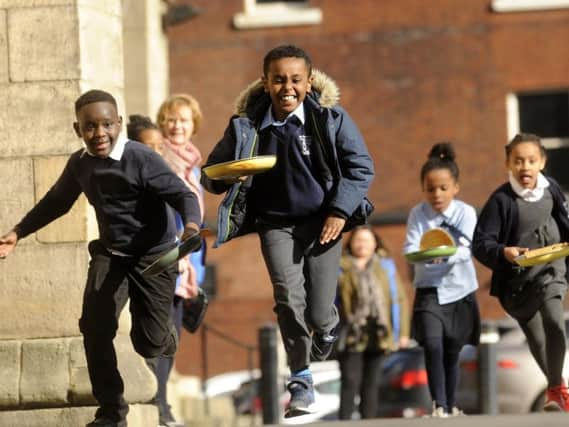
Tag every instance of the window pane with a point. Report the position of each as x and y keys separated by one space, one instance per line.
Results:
x=556 y=166
x=546 y=115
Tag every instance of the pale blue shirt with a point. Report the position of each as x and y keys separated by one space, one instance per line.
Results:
x=455 y=277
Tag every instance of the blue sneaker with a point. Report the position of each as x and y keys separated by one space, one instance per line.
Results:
x=301 y=390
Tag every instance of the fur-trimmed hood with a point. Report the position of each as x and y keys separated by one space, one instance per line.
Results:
x=325 y=91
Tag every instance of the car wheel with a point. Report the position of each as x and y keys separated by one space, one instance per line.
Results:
x=537 y=405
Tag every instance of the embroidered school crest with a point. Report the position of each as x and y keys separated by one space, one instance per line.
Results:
x=305 y=142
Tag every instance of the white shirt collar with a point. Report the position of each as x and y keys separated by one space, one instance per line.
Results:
x=269 y=119
x=529 y=194
x=447 y=213
x=117 y=151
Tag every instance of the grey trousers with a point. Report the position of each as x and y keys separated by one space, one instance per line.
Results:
x=304 y=275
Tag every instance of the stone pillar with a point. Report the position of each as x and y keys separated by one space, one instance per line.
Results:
x=51 y=52
x=145 y=56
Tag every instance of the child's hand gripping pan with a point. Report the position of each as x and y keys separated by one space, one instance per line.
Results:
x=435 y=243
x=543 y=255
x=243 y=167
x=191 y=244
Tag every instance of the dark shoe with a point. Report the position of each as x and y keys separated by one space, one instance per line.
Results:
x=194 y=311
x=323 y=344
x=301 y=391
x=106 y=422
x=171 y=424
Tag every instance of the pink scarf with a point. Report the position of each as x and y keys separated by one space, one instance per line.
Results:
x=183 y=159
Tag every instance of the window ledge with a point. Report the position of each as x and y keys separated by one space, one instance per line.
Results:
x=528 y=5
x=277 y=15
x=554 y=143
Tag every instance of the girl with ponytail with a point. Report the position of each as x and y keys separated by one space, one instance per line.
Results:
x=445 y=311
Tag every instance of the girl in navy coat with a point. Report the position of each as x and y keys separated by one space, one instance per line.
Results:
x=529 y=212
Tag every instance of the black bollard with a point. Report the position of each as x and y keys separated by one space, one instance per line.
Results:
x=487 y=378
x=269 y=370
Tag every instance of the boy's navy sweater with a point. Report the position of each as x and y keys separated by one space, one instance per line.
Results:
x=497 y=228
x=290 y=189
x=129 y=198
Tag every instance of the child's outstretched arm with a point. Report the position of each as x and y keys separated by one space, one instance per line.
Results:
x=356 y=166
x=7 y=243
x=161 y=180
x=333 y=226
x=487 y=246
x=431 y=271
x=223 y=151
x=413 y=234
x=465 y=226
x=511 y=252
x=56 y=202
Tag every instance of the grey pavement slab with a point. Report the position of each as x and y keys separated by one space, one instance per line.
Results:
x=526 y=420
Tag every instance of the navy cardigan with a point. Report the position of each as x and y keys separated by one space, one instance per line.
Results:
x=497 y=228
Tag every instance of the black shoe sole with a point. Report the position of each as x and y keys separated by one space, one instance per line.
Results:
x=297 y=412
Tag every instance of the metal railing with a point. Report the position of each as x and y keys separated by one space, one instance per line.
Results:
x=205 y=331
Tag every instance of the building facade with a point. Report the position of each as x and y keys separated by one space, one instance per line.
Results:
x=411 y=73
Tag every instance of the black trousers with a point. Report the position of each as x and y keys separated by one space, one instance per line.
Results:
x=111 y=281
x=162 y=366
x=360 y=377
x=441 y=359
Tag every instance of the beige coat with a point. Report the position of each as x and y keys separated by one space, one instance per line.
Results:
x=348 y=290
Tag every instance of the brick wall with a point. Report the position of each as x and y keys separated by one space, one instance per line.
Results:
x=410 y=74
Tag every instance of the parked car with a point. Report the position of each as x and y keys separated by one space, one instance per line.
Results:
x=403 y=385
x=227 y=383
x=520 y=383
x=403 y=389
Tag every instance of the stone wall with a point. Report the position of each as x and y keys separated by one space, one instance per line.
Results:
x=51 y=51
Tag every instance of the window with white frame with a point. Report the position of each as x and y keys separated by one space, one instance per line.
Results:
x=545 y=114
x=276 y=13
x=528 y=5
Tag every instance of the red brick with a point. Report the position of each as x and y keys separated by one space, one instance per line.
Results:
x=410 y=74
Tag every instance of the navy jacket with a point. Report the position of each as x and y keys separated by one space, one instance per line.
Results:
x=497 y=228
x=350 y=167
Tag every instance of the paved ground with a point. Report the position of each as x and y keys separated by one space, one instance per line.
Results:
x=529 y=420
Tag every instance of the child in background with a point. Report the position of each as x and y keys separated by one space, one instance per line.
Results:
x=300 y=207
x=528 y=212
x=132 y=191
x=445 y=312
x=191 y=275
x=140 y=128
x=375 y=315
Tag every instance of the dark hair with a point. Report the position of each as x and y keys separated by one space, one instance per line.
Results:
x=286 y=51
x=525 y=137
x=380 y=246
x=441 y=156
x=136 y=124
x=92 y=96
